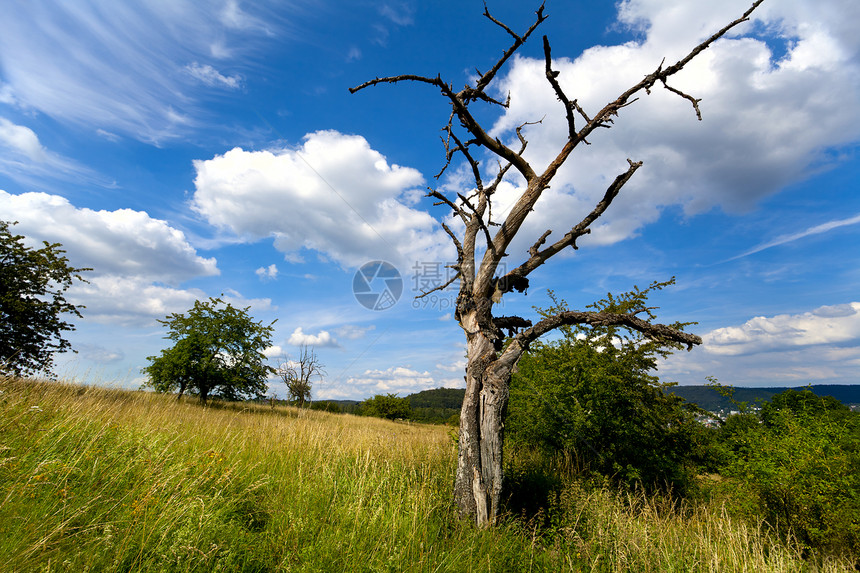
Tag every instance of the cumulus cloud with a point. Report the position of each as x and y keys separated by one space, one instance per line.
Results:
x=334 y=195
x=768 y=119
x=274 y=351
x=138 y=262
x=121 y=242
x=21 y=139
x=827 y=325
x=321 y=339
x=820 y=346
x=395 y=380
x=456 y=366
x=26 y=160
x=267 y=273
x=130 y=301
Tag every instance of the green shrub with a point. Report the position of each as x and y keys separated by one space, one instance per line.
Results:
x=803 y=463
x=387 y=406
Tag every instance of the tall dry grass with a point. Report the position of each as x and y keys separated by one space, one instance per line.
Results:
x=93 y=479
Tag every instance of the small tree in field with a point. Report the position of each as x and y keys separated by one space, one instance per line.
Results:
x=483 y=283
x=299 y=375
x=387 y=406
x=218 y=350
x=32 y=302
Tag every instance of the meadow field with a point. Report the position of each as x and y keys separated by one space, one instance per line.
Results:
x=96 y=479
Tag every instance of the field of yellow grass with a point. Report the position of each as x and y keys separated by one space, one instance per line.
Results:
x=95 y=479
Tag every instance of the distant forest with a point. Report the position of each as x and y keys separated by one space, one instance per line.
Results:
x=707 y=397
x=443 y=404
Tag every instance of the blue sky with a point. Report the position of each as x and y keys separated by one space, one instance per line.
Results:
x=188 y=149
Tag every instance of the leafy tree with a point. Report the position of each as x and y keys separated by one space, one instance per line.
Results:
x=484 y=273
x=387 y=406
x=804 y=403
x=218 y=350
x=594 y=394
x=327 y=406
x=32 y=302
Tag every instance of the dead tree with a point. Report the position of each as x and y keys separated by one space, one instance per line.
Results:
x=299 y=374
x=482 y=283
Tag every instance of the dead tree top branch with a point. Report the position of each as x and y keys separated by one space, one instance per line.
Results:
x=489 y=361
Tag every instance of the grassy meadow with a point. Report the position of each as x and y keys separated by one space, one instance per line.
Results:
x=95 y=479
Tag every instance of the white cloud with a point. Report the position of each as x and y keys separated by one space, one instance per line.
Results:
x=399 y=13
x=267 y=273
x=320 y=340
x=456 y=366
x=821 y=346
x=274 y=352
x=121 y=242
x=353 y=332
x=21 y=139
x=400 y=380
x=26 y=160
x=99 y=354
x=137 y=261
x=130 y=301
x=816 y=230
x=767 y=123
x=334 y=195
x=212 y=77
x=353 y=54
x=119 y=66
x=827 y=325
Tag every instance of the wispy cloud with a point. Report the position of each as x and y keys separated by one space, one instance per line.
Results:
x=123 y=67
x=27 y=161
x=816 y=230
x=212 y=77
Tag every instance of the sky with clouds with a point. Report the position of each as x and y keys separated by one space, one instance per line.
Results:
x=191 y=149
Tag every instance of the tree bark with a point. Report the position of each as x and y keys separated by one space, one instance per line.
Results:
x=480 y=475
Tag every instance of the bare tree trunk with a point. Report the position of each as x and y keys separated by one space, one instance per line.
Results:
x=478 y=483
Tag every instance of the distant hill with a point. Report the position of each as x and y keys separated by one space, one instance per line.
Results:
x=436 y=406
x=707 y=397
x=441 y=404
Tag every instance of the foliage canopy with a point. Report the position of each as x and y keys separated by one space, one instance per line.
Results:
x=592 y=394
x=387 y=406
x=218 y=351
x=32 y=302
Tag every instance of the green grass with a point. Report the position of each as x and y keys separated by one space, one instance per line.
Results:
x=93 y=479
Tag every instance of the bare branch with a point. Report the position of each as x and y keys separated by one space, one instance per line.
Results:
x=485 y=80
x=437 y=81
x=477 y=219
x=569 y=239
x=533 y=250
x=693 y=100
x=457 y=245
x=562 y=97
x=441 y=287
